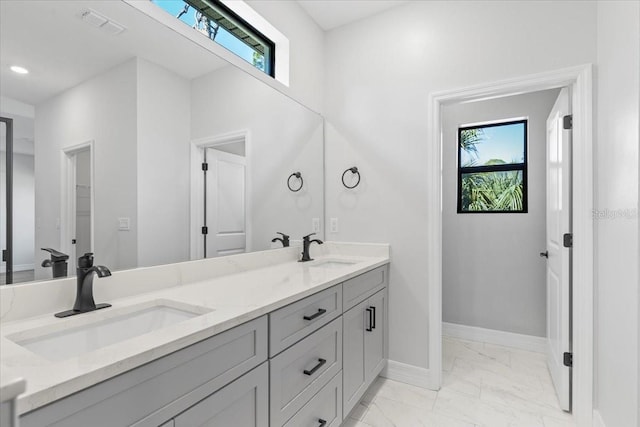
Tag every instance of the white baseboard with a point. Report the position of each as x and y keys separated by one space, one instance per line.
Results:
x=492 y=336
x=19 y=267
x=409 y=374
x=597 y=419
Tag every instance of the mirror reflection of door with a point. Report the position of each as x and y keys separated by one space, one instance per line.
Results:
x=83 y=203
x=225 y=200
x=17 y=182
x=78 y=235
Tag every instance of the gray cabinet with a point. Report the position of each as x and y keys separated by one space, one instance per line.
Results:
x=365 y=347
x=243 y=403
x=375 y=348
x=324 y=410
x=299 y=372
x=325 y=351
x=295 y=321
x=363 y=286
x=6 y=414
x=151 y=394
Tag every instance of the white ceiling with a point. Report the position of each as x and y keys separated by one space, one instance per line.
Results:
x=61 y=50
x=330 y=14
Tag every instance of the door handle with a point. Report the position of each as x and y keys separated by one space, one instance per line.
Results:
x=315 y=368
x=373 y=317
x=544 y=254
x=320 y=312
x=322 y=422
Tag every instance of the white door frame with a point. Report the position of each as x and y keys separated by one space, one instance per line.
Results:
x=197 y=188
x=67 y=198
x=580 y=78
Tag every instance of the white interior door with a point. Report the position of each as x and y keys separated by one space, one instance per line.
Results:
x=3 y=196
x=82 y=204
x=559 y=256
x=225 y=201
x=76 y=237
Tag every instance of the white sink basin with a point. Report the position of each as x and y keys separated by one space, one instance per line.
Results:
x=333 y=263
x=120 y=325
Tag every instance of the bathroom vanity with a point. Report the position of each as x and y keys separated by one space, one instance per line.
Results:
x=247 y=340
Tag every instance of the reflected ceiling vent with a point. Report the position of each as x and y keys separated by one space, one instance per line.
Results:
x=93 y=18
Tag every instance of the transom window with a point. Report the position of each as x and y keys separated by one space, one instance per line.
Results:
x=225 y=27
x=492 y=167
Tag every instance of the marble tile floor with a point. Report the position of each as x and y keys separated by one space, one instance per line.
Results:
x=484 y=385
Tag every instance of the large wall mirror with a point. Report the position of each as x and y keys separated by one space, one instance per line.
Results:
x=106 y=135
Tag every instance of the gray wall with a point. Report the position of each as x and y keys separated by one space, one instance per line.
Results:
x=23 y=216
x=103 y=110
x=492 y=276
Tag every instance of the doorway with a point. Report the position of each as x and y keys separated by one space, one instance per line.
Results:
x=17 y=198
x=496 y=201
x=220 y=211
x=77 y=202
x=580 y=80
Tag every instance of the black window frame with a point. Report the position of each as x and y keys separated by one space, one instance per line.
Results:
x=231 y=16
x=495 y=168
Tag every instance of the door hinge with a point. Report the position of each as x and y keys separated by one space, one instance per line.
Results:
x=567 y=122
x=567 y=359
x=4 y=255
x=567 y=240
x=205 y=166
x=205 y=230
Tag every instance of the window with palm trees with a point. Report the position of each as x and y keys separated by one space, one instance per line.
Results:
x=492 y=167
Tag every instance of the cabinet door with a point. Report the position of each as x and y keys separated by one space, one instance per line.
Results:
x=353 y=348
x=325 y=409
x=243 y=403
x=375 y=336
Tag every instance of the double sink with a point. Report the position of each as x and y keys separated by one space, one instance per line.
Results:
x=89 y=332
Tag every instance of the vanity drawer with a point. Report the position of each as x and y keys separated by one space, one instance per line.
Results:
x=290 y=324
x=299 y=372
x=326 y=406
x=243 y=403
x=363 y=286
x=153 y=393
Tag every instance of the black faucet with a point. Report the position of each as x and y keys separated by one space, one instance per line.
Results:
x=57 y=261
x=284 y=239
x=84 y=296
x=305 y=247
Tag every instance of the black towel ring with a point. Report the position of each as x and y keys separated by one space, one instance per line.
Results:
x=297 y=175
x=353 y=170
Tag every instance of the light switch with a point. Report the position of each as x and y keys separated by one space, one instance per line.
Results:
x=334 y=225
x=124 y=224
x=315 y=225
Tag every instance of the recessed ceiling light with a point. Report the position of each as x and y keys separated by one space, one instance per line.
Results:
x=18 y=69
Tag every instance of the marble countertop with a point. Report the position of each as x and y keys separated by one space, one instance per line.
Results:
x=11 y=386
x=226 y=301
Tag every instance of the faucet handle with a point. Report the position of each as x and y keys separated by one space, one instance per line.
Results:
x=309 y=235
x=284 y=236
x=86 y=260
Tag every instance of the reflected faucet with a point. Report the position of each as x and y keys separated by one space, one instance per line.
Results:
x=84 y=293
x=284 y=239
x=57 y=261
x=306 y=242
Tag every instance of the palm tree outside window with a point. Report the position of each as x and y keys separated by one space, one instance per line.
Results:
x=492 y=168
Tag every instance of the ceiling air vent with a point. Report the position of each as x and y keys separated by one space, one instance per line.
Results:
x=93 y=18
